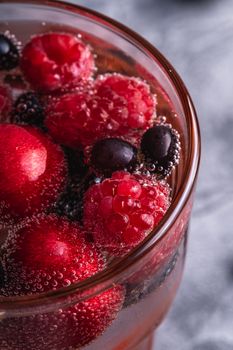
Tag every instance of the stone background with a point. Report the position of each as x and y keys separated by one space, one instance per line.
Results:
x=197 y=37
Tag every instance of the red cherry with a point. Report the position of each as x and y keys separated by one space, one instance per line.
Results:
x=32 y=171
x=46 y=254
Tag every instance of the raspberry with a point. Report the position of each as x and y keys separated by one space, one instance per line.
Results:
x=32 y=171
x=46 y=254
x=139 y=101
x=55 y=60
x=28 y=110
x=9 y=55
x=125 y=108
x=5 y=103
x=123 y=209
x=70 y=122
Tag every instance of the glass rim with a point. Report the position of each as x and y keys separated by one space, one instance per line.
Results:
x=189 y=176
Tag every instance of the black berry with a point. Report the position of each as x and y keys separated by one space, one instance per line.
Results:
x=160 y=145
x=9 y=55
x=109 y=155
x=28 y=110
x=70 y=203
x=76 y=165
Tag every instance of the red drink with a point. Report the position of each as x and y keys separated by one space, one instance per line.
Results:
x=89 y=258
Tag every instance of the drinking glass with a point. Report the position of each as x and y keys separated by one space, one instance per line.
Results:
x=150 y=274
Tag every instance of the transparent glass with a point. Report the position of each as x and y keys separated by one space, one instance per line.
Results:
x=150 y=275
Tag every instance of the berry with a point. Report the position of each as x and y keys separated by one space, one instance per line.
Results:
x=68 y=120
x=28 y=110
x=70 y=203
x=123 y=209
x=9 y=55
x=160 y=145
x=109 y=155
x=83 y=118
x=76 y=165
x=139 y=101
x=43 y=245
x=5 y=103
x=46 y=254
x=32 y=171
x=56 y=60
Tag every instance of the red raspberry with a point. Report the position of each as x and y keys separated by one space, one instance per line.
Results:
x=5 y=103
x=32 y=171
x=125 y=108
x=55 y=60
x=123 y=209
x=46 y=254
x=139 y=101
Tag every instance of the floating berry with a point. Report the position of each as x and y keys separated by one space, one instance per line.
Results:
x=46 y=254
x=9 y=55
x=160 y=145
x=5 y=103
x=109 y=155
x=28 y=110
x=116 y=109
x=56 y=60
x=123 y=209
x=32 y=171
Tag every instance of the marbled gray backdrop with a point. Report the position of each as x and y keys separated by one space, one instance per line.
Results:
x=197 y=37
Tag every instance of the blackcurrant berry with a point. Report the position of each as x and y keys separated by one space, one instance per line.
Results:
x=160 y=145
x=9 y=55
x=111 y=154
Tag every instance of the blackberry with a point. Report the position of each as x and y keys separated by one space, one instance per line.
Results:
x=28 y=110
x=160 y=146
x=70 y=203
x=9 y=54
x=111 y=154
x=76 y=165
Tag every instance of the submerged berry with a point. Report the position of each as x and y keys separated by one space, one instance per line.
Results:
x=44 y=245
x=76 y=165
x=160 y=145
x=47 y=254
x=28 y=110
x=9 y=55
x=111 y=154
x=123 y=209
x=70 y=202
